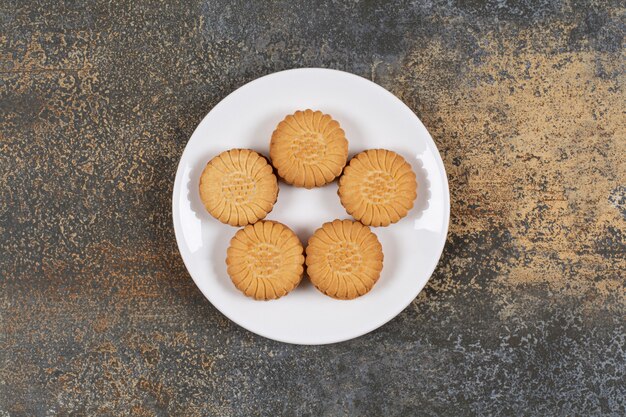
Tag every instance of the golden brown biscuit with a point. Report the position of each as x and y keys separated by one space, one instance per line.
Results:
x=377 y=187
x=344 y=259
x=238 y=187
x=265 y=260
x=308 y=149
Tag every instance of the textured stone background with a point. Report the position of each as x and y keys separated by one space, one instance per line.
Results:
x=524 y=315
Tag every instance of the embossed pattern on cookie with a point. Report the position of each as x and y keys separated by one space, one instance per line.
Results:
x=308 y=149
x=265 y=260
x=378 y=187
x=238 y=187
x=344 y=259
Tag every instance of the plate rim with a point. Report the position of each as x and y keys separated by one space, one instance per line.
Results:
x=446 y=198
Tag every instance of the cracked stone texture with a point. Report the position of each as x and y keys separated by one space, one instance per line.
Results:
x=523 y=316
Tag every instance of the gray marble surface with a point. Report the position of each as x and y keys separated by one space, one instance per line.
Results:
x=524 y=314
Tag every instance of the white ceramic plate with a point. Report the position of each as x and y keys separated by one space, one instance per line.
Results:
x=372 y=117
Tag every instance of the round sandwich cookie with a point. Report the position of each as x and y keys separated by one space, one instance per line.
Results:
x=265 y=260
x=238 y=187
x=308 y=149
x=344 y=259
x=378 y=187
